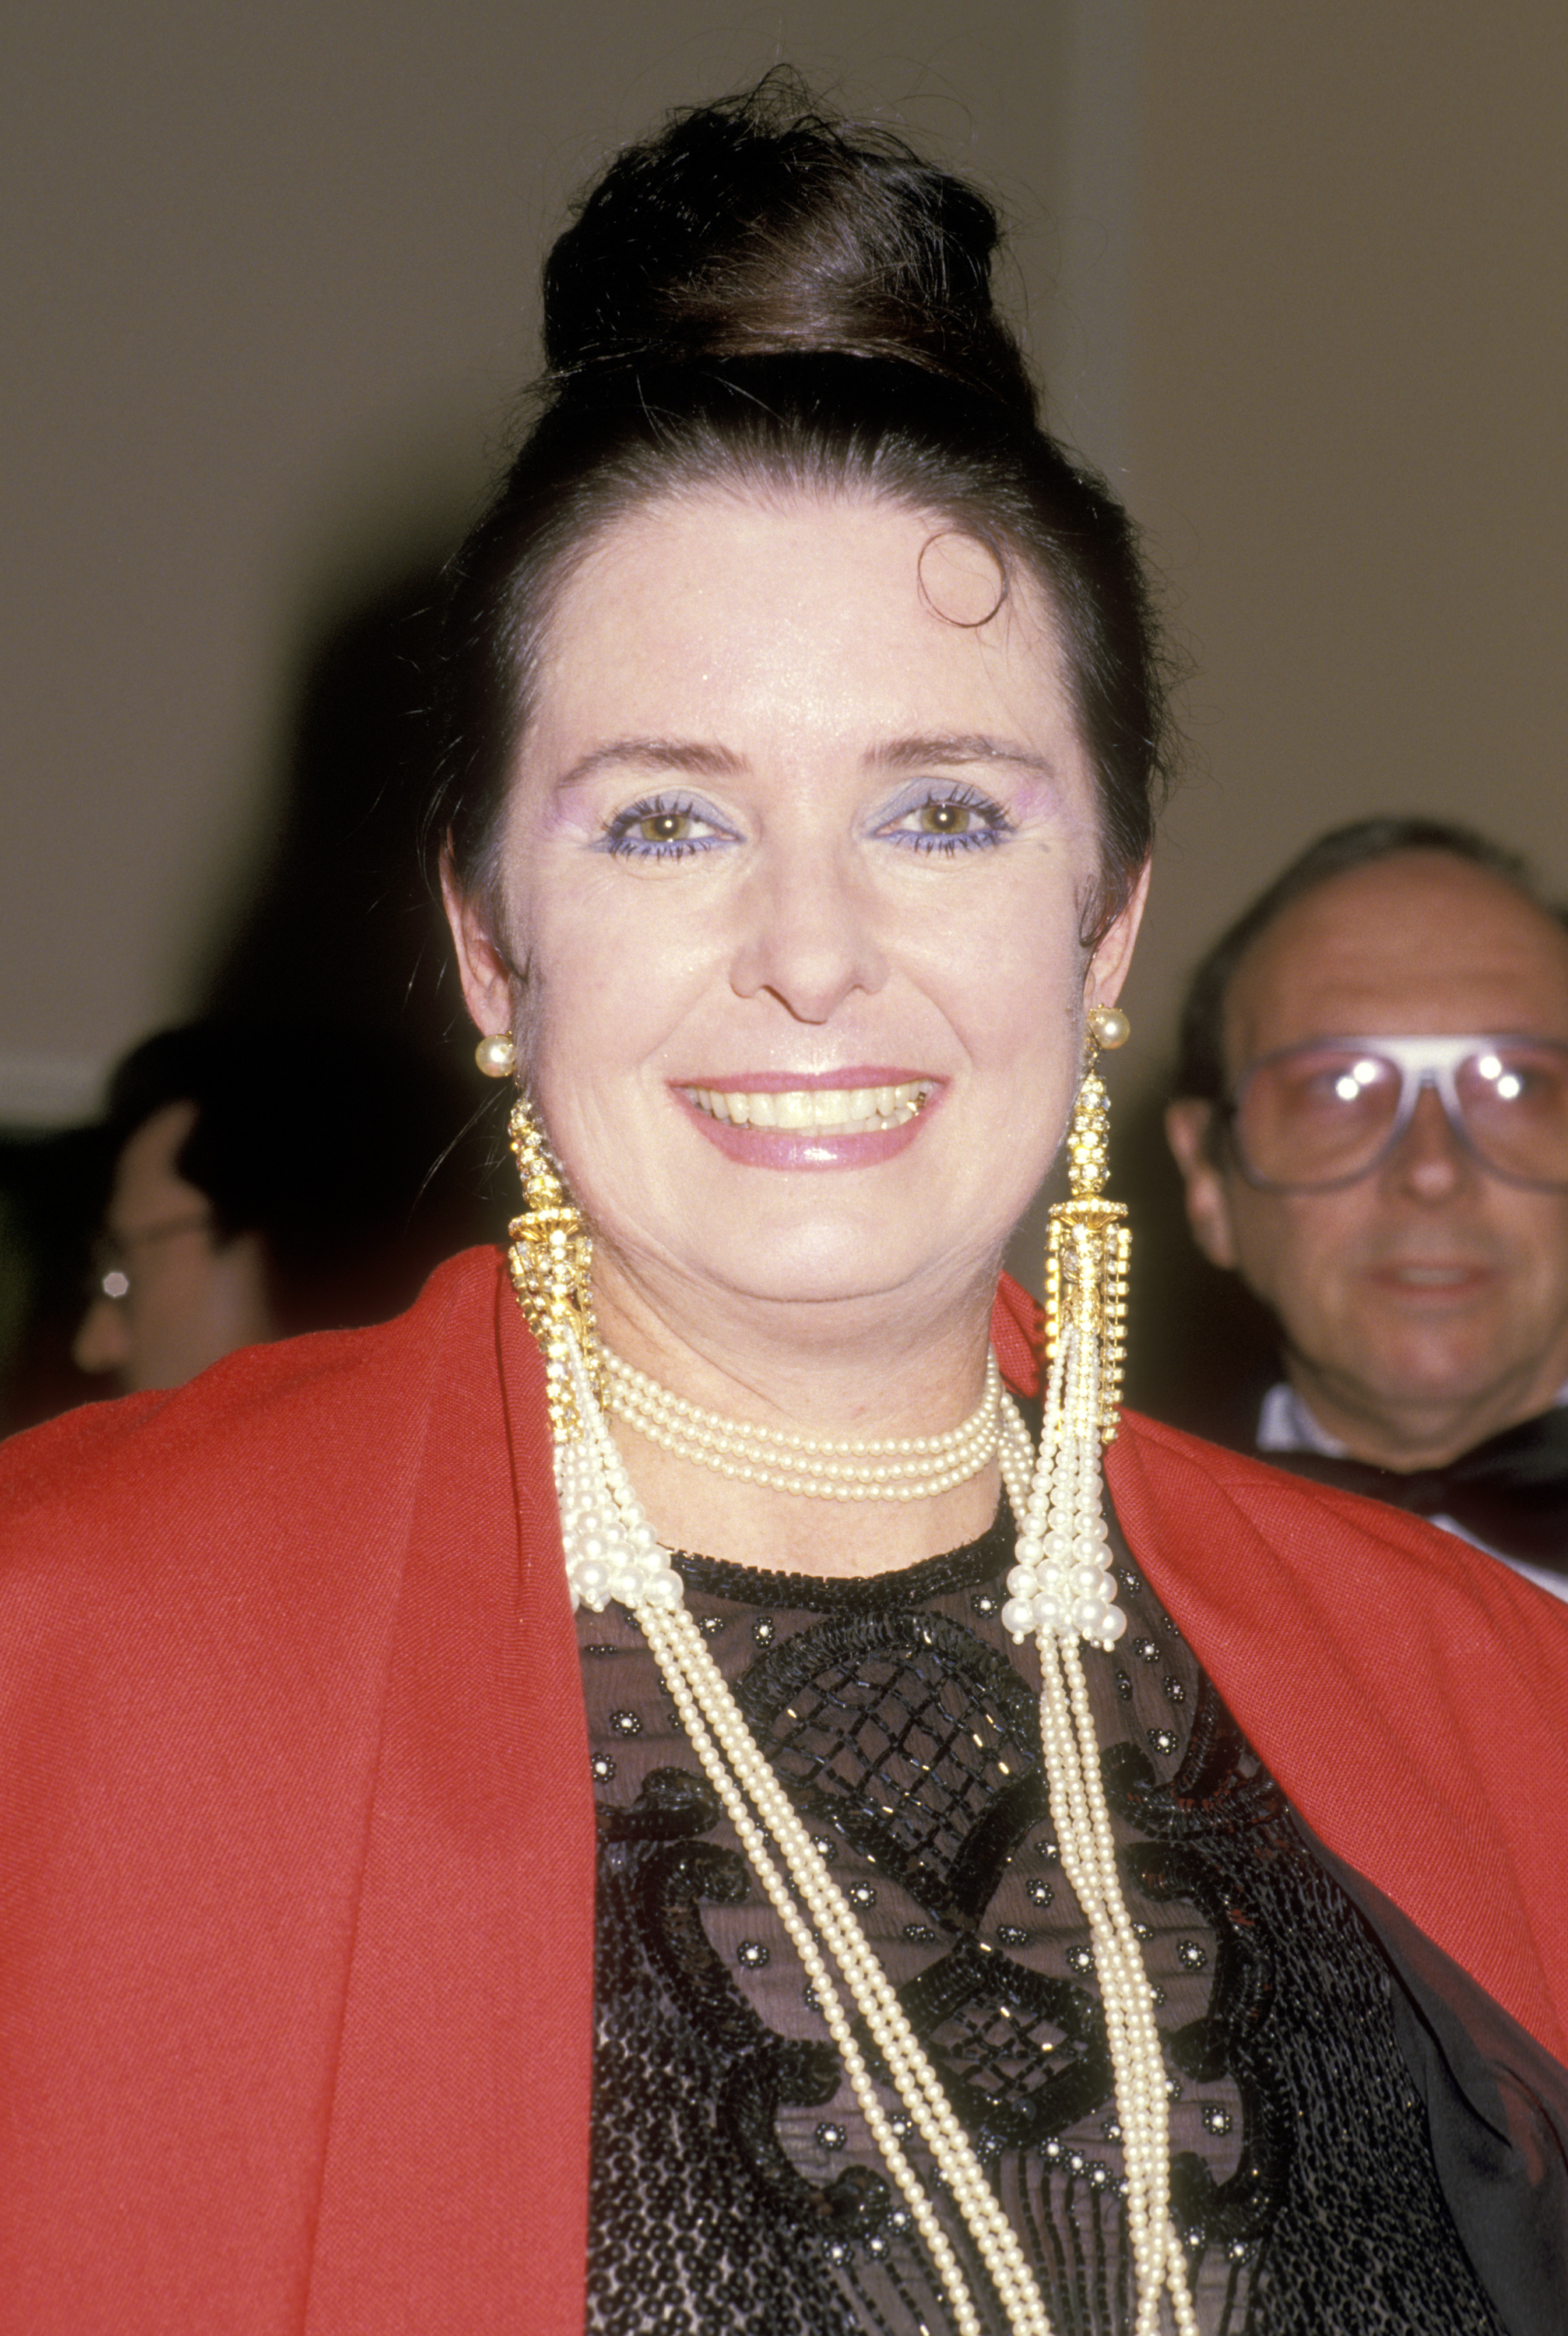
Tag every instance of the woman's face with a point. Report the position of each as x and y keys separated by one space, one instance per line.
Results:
x=793 y=869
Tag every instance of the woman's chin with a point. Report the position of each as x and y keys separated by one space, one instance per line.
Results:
x=830 y=1263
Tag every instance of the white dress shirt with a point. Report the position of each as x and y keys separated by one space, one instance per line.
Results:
x=1285 y=1424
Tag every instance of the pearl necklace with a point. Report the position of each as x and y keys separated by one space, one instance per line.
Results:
x=850 y=1468
x=612 y=1552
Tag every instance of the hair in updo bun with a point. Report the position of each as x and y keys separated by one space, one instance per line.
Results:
x=757 y=227
x=758 y=298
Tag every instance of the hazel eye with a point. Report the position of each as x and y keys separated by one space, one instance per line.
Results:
x=661 y=828
x=664 y=827
x=947 y=818
x=953 y=820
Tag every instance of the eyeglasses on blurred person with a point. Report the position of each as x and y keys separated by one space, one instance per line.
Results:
x=1330 y=1111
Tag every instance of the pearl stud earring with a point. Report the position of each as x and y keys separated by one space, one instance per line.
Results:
x=1110 y=1026
x=496 y=1055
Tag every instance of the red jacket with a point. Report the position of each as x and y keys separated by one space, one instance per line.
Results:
x=297 y=1858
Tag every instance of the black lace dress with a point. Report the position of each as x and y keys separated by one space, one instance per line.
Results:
x=734 y=2187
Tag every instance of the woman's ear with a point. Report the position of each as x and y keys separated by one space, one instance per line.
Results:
x=482 y=966
x=1107 y=967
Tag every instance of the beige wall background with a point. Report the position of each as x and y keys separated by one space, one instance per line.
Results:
x=1347 y=415
x=1295 y=276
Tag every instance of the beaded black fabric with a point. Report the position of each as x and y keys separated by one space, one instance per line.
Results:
x=734 y=2187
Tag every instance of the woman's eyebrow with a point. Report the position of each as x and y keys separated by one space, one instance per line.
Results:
x=710 y=761
x=958 y=746
x=654 y=755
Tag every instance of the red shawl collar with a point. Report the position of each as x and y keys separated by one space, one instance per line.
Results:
x=295 y=1890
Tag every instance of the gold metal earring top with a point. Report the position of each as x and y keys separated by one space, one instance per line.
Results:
x=551 y=1263
x=1087 y=1251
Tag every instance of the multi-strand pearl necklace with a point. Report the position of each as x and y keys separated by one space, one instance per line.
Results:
x=612 y=1552
x=1061 y=1590
x=815 y=1467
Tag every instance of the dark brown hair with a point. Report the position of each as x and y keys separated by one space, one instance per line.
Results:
x=760 y=297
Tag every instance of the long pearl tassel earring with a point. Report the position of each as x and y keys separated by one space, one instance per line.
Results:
x=612 y=1552
x=1062 y=1591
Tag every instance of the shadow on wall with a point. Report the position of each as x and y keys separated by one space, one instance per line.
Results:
x=341 y=923
x=340 y=933
x=342 y=926
x=1200 y=1350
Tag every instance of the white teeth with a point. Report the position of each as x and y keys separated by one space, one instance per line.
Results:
x=837 y=1111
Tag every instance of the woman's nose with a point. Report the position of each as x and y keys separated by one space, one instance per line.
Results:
x=102 y=1340
x=808 y=936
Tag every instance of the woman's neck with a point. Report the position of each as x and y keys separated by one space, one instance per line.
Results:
x=860 y=1368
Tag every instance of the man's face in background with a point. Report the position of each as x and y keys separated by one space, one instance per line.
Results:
x=1424 y=1305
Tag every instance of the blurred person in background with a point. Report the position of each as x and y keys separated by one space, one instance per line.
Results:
x=247 y=1206
x=53 y=1189
x=1371 y=1122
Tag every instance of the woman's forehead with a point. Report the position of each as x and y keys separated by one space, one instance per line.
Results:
x=794 y=614
x=875 y=542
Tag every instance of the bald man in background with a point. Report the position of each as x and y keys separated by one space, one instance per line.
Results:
x=1371 y=1122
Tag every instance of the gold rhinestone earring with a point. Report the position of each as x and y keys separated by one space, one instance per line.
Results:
x=551 y=1261
x=1089 y=1241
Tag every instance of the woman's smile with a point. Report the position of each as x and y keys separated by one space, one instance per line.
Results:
x=838 y=1110
x=832 y=1119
